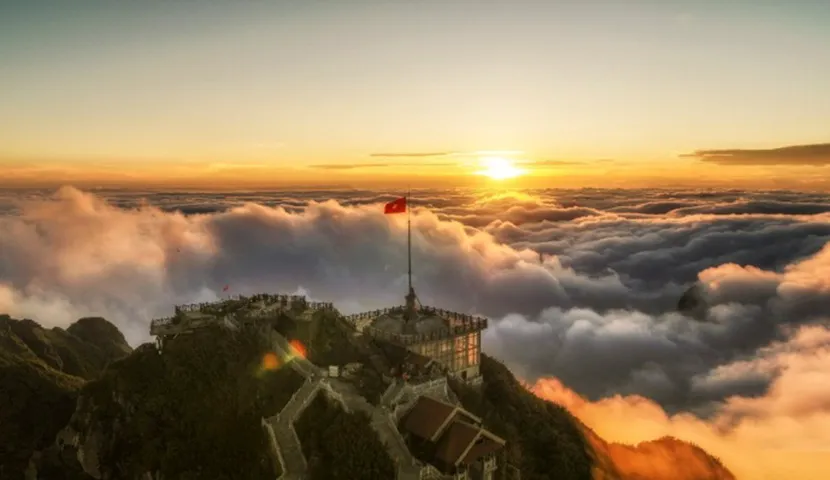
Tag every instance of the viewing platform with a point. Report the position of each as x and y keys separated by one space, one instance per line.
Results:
x=450 y=338
x=234 y=311
x=433 y=323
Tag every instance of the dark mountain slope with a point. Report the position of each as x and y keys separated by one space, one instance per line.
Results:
x=340 y=444
x=191 y=412
x=194 y=411
x=41 y=371
x=544 y=437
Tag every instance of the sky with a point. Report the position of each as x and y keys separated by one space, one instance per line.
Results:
x=321 y=92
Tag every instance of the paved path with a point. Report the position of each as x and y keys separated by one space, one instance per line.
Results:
x=291 y=455
x=298 y=363
x=391 y=395
x=382 y=423
x=289 y=449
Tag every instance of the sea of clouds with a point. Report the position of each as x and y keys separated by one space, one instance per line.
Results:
x=581 y=287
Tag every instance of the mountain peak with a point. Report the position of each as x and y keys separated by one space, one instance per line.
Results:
x=197 y=403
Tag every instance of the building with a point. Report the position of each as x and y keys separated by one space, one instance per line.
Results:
x=450 y=338
x=452 y=440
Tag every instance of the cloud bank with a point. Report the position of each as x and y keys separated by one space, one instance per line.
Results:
x=597 y=311
x=815 y=154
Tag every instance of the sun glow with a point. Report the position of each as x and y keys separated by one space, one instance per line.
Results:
x=499 y=168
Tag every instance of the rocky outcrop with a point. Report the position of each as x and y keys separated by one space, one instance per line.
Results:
x=82 y=439
x=694 y=302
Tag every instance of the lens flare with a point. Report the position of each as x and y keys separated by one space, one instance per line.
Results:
x=270 y=361
x=298 y=347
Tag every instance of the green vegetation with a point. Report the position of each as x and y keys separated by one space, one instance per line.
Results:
x=370 y=384
x=35 y=403
x=331 y=344
x=542 y=437
x=193 y=411
x=338 y=444
x=334 y=344
x=41 y=371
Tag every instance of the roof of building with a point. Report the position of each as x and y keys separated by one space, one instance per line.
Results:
x=455 y=441
x=457 y=433
x=429 y=417
x=485 y=444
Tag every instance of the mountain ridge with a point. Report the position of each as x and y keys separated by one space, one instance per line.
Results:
x=140 y=414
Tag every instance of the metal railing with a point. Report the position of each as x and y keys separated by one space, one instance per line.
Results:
x=414 y=339
x=458 y=324
x=265 y=302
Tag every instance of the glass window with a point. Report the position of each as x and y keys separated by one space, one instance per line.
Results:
x=473 y=352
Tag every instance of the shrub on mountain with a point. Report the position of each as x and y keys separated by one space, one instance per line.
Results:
x=542 y=437
x=338 y=444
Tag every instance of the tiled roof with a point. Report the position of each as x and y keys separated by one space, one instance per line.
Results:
x=463 y=443
x=455 y=441
x=457 y=434
x=486 y=446
x=427 y=417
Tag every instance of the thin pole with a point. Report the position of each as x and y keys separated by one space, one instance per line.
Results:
x=409 y=236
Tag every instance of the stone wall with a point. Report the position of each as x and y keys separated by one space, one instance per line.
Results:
x=276 y=453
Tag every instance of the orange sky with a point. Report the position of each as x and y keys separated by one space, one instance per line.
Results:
x=258 y=93
x=419 y=172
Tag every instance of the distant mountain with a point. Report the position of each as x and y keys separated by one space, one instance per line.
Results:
x=664 y=458
x=86 y=407
x=694 y=302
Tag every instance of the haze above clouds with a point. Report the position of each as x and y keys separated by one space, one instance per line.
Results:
x=595 y=326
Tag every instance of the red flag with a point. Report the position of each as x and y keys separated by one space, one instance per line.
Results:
x=225 y=288
x=395 y=206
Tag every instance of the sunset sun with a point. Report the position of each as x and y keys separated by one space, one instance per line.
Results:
x=499 y=168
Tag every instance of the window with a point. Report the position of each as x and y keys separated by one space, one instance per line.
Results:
x=473 y=349
x=460 y=352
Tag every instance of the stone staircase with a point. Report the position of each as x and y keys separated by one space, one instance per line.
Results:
x=382 y=423
x=390 y=396
x=289 y=449
x=297 y=363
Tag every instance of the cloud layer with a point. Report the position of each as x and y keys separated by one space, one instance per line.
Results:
x=814 y=154
x=597 y=311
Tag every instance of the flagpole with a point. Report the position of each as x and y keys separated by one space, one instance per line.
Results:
x=409 y=316
x=409 y=236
